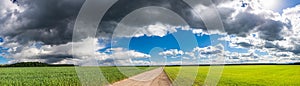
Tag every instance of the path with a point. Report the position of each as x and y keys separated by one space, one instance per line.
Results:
x=156 y=77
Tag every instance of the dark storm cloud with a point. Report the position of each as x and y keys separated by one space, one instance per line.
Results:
x=270 y=30
x=117 y=12
x=48 y=21
x=54 y=58
x=245 y=22
x=52 y=21
x=295 y=49
x=244 y=44
x=242 y=24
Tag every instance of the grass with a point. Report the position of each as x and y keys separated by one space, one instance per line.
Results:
x=251 y=75
x=57 y=76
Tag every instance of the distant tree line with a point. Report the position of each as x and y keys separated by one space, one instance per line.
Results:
x=40 y=64
x=34 y=64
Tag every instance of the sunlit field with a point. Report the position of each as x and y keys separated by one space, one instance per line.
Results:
x=56 y=76
x=245 y=75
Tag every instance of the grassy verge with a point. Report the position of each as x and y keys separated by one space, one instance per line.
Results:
x=57 y=76
x=253 y=75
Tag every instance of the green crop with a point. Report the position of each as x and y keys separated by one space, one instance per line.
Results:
x=244 y=75
x=56 y=76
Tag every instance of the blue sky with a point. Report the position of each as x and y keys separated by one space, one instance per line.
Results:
x=287 y=4
x=145 y=44
x=280 y=5
x=2 y=49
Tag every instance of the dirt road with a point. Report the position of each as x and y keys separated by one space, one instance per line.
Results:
x=156 y=77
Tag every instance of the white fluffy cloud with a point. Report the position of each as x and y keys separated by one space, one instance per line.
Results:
x=54 y=53
x=262 y=29
x=174 y=53
x=121 y=53
x=75 y=53
x=197 y=55
x=121 y=56
x=243 y=42
x=212 y=54
x=157 y=29
x=292 y=14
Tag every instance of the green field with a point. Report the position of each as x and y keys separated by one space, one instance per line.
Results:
x=260 y=75
x=57 y=76
x=251 y=75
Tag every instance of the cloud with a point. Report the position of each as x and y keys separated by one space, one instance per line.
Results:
x=292 y=36
x=84 y=49
x=292 y=14
x=121 y=56
x=210 y=50
x=208 y=55
x=273 y=32
x=82 y=52
x=50 y=22
x=120 y=53
x=154 y=12
x=275 y=50
x=157 y=29
x=204 y=55
x=244 y=21
x=173 y=53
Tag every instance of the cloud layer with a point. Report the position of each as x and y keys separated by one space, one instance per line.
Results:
x=41 y=30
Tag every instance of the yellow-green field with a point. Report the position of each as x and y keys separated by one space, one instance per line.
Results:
x=244 y=75
x=57 y=76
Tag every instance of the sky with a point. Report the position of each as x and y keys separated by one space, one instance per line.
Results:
x=167 y=33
